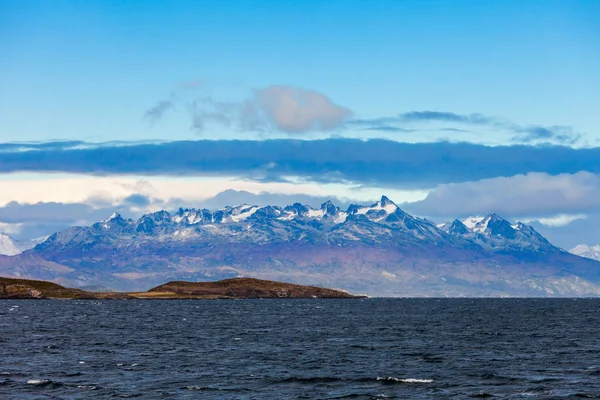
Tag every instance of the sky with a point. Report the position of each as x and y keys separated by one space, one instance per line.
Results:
x=449 y=108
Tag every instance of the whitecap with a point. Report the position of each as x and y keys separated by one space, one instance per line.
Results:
x=404 y=380
x=197 y=388
x=38 y=381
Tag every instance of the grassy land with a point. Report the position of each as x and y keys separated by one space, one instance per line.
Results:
x=236 y=288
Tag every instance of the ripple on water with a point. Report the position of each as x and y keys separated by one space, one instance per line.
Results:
x=399 y=348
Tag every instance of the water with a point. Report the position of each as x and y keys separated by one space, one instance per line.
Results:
x=300 y=349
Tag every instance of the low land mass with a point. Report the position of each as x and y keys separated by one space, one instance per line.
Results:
x=235 y=288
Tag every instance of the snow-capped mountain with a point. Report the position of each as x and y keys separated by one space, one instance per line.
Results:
x=253 y=224
x=494 y=233
x=8 y=246
x=11 y=247
x=376 y=249
x=583 y=250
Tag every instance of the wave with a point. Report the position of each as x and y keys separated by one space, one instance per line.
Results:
x=209 y=388
x=403 y=380
x=47 y=383
x=332 y=379
x=37 y=381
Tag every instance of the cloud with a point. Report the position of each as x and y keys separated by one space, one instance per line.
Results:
x=294 y=110
x=526 y=134
x=424 y=116
x=530 y=195
x=532 y=134
x=28 y=221
x=235 y=197
x=281 y=108
x=137 y=199
x=15 y=212
x=51 y=145
x=379 y=163
x=402 y=120
x=560 y=219
x=206 y=111
x=578 y=231
x=378 y=124
x=156 y=112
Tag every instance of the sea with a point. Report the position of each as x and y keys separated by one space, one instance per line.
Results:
x=300 y=349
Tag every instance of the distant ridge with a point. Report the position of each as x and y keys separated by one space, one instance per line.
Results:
x=586 y=251
x=11 y=247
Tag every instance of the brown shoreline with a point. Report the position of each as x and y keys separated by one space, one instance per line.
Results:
x=235 y=288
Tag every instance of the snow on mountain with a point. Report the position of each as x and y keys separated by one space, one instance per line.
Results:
x=378 y=222
x=11 y=247
x=455 y=228
x=8 y=246
x=377 y=249
x=586 y=251
x=475 y=224
x=496 y=233
x=328 y=214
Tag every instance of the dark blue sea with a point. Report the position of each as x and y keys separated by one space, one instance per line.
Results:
x=300 y=349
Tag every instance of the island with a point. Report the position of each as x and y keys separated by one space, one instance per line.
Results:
x=234 y=288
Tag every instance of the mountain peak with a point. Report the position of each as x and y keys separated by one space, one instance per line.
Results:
x=112 y=216
x=331 y=212
x=114 y=220
x=327 y=204
x=458 y=228
x=386 y=201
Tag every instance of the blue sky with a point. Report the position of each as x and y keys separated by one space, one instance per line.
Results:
x=514 y=74
x=89 y=70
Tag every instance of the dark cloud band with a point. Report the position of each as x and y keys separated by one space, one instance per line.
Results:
x=374 y=162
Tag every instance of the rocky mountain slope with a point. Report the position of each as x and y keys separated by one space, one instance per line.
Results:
x=377 y=249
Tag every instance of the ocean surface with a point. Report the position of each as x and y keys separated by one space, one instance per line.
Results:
x=300 y=349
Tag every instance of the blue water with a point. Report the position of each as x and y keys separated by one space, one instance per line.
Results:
x=300 y=349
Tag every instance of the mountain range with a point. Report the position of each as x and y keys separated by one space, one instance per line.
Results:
x=377 y=249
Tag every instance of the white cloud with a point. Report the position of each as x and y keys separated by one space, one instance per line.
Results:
x=10 y=228
x=558 y=220
x=282 y=108
x=81 y=188
x=296 y=110
x=535 y=195
x=106 y=190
